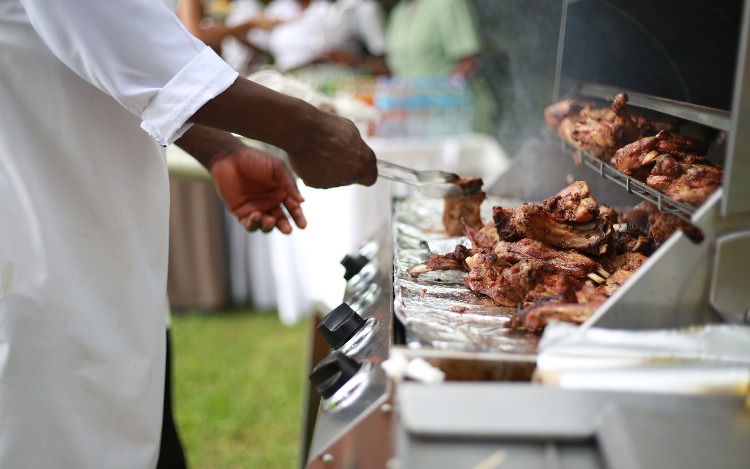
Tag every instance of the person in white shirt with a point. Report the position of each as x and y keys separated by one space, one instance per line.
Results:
x=346 y=32
x=90 y=94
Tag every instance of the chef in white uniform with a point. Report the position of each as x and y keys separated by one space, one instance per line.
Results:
x=90 y=93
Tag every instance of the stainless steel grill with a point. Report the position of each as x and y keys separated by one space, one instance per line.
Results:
x=686 y=61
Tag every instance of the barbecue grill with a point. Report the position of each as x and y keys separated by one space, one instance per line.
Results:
x=682 y=61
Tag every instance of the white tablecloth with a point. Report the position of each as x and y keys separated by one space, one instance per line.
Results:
x=301 y=273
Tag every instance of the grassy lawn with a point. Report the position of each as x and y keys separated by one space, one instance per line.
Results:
x=238 y=389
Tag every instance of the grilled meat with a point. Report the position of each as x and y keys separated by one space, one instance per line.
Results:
x=537 y=317
x=484 y=237
x=689 y=182
x=557 y=260
x=599 y=131
x=464 y=210
x=455 y=260
x=504 y=278
x=503 y=220
x=533 y=221
x=554 y=260
x=638 y=158
x=573 y=204
x=556 y=113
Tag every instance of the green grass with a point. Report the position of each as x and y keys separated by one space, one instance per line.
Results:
x=238 y=389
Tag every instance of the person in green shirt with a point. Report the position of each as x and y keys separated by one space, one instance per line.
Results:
x=439 y=38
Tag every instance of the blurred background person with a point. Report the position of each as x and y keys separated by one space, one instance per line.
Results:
x=349 y=33
x=439 y=38
x=213 y=31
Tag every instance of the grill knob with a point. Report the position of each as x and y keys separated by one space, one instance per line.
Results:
x=332 y=373
x=353 y=264
x=340 y=325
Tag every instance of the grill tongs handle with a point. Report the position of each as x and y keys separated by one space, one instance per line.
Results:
x=432 y=183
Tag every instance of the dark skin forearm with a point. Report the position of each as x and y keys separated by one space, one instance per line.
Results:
x=208 y=145
x=323 y=149
x=259 y=113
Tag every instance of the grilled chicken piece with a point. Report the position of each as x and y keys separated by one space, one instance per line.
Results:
x=638 y=158
x=537 y=317
x=533 y=221
x=464 y=210
x=504 y=278
x=662 y=225
x=455 y=260
x=687 y=182
x=556 y=113
x=568 y=262
x=573 y=204
x=602 y=133
x=484 y=237
x=503 y=220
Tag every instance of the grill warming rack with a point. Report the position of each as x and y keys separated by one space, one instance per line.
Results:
x=714 y=118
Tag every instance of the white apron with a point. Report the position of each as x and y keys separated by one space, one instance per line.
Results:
x=84 y=205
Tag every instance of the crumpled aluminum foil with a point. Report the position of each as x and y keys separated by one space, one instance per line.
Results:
x=436 y=308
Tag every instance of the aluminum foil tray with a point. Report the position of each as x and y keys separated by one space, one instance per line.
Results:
x=437 y=310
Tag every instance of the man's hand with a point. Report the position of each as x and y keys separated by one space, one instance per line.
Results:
x=332 y=154
x=255 y=186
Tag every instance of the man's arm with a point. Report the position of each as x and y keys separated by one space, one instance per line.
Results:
x=324 y=150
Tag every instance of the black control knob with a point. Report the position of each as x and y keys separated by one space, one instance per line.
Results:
x=340 y=325
x=353 y=264
x=333 y=372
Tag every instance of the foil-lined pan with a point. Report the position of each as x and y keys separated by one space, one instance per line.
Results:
x=436 y=308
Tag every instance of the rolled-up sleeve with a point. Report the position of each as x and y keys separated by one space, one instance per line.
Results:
x=139 y=53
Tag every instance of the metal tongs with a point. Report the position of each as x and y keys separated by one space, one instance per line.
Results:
x=432 y=183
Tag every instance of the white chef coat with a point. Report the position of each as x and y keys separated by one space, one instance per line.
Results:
x=83 y=243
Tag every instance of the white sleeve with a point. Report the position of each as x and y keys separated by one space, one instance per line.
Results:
x=139 y=53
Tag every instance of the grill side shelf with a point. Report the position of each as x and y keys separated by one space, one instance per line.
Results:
x=633 y=186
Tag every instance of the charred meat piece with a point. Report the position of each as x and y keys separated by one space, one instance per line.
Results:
x=574 y=204
x=533 y=221
x=602 y=132
x=502 y=277
x=455 y=260
x=484 y=237
x=558 y=288
x=662 y=225
x=503 y=220
x=567 y=262
x=687 y=182
x=554 y=114
x=637 y=158
x=537 y=317
x=464 y=210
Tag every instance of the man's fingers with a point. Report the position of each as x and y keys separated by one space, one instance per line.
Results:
x=298 y=216
x=369 y=173
x=252 y=221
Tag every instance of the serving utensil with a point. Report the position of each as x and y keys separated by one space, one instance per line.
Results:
x=432 y=183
